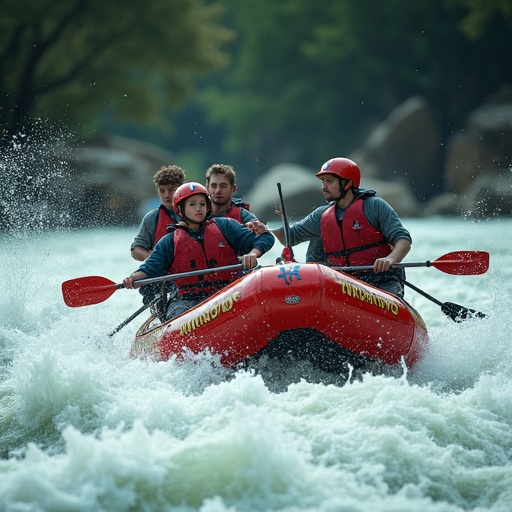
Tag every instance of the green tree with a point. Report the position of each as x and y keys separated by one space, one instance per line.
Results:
x=309 y=79
x=70 y=60
x=481 y=15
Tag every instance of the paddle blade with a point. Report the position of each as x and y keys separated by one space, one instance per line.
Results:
x=85 y=291
x=460 y=313
x=463 y=263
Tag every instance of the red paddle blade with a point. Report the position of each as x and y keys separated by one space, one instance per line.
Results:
x=85 y=291
x=463 y=263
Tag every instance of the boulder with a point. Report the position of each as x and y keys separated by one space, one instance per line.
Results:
x=466 y=159
x=446 y=204
x=397 y=193
x=302 y=193
x=301 y=189
x=405 y=147
x=490 y=195
x=115 y=176
x=478 y=164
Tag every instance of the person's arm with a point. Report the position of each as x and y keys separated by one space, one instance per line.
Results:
x=279 y=234
x=303 y=231
x=383 y=217
x=139 y=253
x=158 y=262
x=143 y=241
x=306 y=229
x=250 y=260
x=134 y=276
x=247 y=216
x=246 y=243
x=400 y=250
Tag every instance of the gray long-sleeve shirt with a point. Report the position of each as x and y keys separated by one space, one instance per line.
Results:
x=379 y=213
x=145 y=237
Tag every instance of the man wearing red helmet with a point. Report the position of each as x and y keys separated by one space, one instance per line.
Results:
x=355 y=228
x=195 y=244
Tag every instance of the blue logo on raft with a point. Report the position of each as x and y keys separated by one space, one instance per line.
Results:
x=287 y=274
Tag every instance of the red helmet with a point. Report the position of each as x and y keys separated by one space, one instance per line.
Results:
x=343 y=168
x=187 y=190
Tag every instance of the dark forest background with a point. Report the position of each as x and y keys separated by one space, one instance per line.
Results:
x=247 y=82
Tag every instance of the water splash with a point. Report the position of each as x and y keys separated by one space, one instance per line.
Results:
x=36 y=183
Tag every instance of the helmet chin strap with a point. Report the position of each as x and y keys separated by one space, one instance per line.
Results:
x=182 y=216
x=343 y=190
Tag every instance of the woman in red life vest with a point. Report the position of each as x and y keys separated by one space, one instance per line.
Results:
x=195 y=244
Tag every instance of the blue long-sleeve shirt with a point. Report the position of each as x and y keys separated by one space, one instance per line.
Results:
x=241 y=239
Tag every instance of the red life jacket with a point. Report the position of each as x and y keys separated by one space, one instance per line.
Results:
x=235 y=211
x=190 y=254
x=165 y=221
x=352 y=240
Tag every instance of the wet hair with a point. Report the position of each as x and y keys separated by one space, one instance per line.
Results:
x=169 y=175
x=225 y=170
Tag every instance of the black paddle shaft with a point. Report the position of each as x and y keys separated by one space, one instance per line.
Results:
x=456 y=312
x=286 y=225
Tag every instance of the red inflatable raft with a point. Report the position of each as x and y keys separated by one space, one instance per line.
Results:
x=305 y=311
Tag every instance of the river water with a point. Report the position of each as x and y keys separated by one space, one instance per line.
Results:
x=85 y=428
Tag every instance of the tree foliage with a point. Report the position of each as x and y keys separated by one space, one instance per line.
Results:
x=480 y=15
x=305 y=80
x=72 y=59
x=309 y=79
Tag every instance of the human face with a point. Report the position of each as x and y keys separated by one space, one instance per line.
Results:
x=165 y=192
x=331 y=187
x=221 y=191
x=195 y=209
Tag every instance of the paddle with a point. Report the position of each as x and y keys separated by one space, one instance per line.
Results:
x=287 y=253
x=461 y=263
x=134 y=315
x=456 y=312
x=143 y=308
x=84 y=291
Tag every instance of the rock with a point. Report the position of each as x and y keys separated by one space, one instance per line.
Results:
x=466 y=159
x=445 y=204
x=301 y=189
x=397 y=193
x=114 y=177
x=478 y=164
x=405 y=147
x=302 y=193
x=490 y=195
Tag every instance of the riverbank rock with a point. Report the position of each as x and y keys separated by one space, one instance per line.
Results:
x=302 y=192
x=478 y=167
x=115 y=176
x=404 y=148
x=403 y=159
